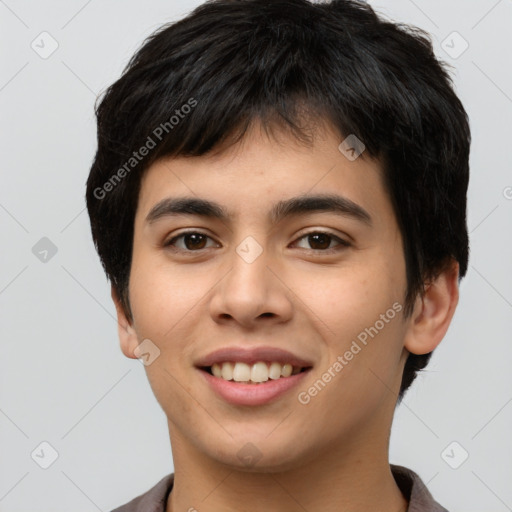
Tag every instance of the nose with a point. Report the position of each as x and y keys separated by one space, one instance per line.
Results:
x=252 y=293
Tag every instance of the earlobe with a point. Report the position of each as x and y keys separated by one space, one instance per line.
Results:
x=127 y=336
x=433 y=312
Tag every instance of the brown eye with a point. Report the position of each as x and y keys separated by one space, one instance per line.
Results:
x=192 y=241
x=321 y=241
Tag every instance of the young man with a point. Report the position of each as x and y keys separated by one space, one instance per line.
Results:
x=279 y=201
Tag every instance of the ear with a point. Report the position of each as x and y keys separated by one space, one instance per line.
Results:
x=433 y=312
x=127 y=336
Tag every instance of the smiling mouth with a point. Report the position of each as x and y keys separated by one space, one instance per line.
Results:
x=257 y=373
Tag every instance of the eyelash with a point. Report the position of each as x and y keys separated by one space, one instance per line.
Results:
x=341 y=243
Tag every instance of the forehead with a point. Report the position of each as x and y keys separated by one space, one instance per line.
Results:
x=260 y=173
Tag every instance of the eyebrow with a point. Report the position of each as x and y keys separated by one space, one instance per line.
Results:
x=294 y=206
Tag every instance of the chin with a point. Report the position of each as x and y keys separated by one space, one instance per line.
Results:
x=259 y=455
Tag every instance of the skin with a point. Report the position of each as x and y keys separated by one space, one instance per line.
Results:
x=332 y=453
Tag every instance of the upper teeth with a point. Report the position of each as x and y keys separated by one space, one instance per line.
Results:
x=259 y=372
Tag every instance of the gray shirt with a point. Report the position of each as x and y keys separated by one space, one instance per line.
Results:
x=411 y=485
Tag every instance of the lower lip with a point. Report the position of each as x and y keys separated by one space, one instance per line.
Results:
x=238 y=393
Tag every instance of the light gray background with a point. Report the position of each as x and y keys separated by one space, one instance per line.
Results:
x=63 y=377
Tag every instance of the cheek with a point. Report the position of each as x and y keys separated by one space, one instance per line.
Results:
x=361 y=367
x=161 y=296
x=344 y=301
x=358 y=314
x=162 y=304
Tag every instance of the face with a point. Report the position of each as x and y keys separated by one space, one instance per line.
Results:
x=311 y=285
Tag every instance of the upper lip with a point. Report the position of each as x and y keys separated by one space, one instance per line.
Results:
x=251 y=356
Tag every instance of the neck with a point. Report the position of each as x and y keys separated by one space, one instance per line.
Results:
x=350 y=477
